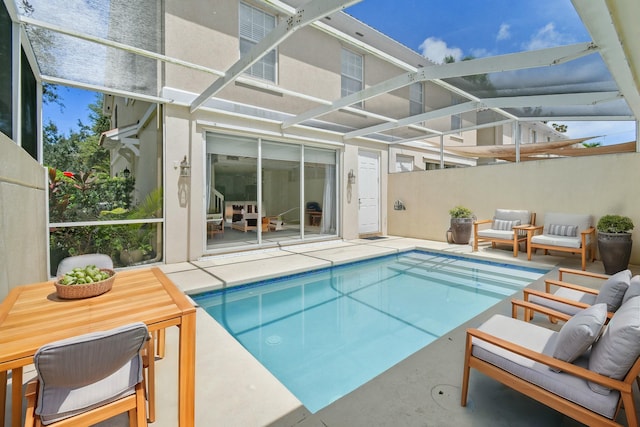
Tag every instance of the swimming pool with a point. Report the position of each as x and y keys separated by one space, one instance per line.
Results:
x=325 y=333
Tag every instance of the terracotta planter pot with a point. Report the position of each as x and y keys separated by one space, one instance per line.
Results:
x=461 y=230
x=615 y=251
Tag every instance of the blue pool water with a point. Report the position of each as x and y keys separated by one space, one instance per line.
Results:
x=325 y=333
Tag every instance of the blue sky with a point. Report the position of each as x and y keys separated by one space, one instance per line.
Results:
x=437 y=28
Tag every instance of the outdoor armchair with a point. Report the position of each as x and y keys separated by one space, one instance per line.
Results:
x=563 y=232
x=567 y=370
x=89 y=378
x=569 y=298
x=507 y=227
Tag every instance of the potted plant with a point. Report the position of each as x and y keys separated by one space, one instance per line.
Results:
x=614 y=242
x=461 y=224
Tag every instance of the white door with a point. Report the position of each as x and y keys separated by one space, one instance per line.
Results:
x=368 y=192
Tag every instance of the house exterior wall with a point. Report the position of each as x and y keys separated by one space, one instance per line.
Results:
x=585 y=185
x=23 y=200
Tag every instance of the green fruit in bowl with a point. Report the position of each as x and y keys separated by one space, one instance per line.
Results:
x=80 y=276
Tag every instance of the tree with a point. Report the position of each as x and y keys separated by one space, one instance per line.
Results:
x=559 y=127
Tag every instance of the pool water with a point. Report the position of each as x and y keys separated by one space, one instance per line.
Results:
x=325 y=333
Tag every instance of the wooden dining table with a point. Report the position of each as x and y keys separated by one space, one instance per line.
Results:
x=33 y=315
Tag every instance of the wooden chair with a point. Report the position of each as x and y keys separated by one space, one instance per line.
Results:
x=563 y=232
x=89 y=378
x=569 y=298
x=507 y=227
x=590 y=389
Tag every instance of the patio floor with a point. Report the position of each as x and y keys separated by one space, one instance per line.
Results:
x=233 y=389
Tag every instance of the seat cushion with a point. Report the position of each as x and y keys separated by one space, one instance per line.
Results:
x=541 y=340
x=613 y=289
x=579 y=332
x=619 y=346
x=567 y=293
x=552 y=240
x=491 y=233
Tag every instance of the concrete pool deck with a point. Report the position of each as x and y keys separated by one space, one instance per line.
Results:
x=234 y=389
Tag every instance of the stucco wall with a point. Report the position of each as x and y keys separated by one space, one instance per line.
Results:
x=595 y=185
x=23 y=221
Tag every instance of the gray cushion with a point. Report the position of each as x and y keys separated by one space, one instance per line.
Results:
x=633 y=290
x=496 y=234
x=502 y=224
x=619 y=346
x=582 y=221
x=541 y=340
x=613 y=289
x=567 y=293
x=523 y=216
x=88 y=371
x=549 y=239
x=577 y=335
x=563 y=230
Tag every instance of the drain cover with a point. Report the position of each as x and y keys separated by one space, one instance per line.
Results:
x=273 y=340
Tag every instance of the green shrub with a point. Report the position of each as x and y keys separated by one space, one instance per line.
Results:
x=460 y=212
x=615 y=224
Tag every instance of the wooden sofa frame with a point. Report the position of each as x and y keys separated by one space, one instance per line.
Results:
x=557 y=402
x=517 y=236
x=582 y=250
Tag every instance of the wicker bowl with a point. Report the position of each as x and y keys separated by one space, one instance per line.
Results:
x=86 y=290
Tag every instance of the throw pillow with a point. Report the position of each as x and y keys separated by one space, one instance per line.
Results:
x=613 y=289
x=577 y=335
x=633 y=290
x=618 y=347
x=501 y=224
x=563 y=230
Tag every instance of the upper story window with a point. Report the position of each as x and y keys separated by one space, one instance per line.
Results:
x=254 y=26
x=416 y=99
x=456 y=119
x=352 y=74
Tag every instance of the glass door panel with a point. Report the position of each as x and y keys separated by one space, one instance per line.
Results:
x=319 y=192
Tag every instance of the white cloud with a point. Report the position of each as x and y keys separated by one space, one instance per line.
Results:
x=546 y=37
x=436 y=50
x=481 y=53
x=504 y=32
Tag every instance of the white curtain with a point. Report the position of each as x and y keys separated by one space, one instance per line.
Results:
x=209 y=189
x=328 y=223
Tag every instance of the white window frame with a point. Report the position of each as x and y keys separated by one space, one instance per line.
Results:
x=351 y=71
x=251 y=36
x=416 y=99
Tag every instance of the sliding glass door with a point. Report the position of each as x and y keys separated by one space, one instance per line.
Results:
x=267 y=193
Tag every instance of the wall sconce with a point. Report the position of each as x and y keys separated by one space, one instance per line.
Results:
x=351 y=177
x=185 y=167
x=126 y=172
x=399 y=206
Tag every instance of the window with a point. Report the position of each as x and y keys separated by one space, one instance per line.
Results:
x=254 y=26
x=351 y=74
x=404 y=163
x=6 y=65
x=456 y=119
x=416 y=99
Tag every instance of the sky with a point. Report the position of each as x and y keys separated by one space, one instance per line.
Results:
x=439 y=28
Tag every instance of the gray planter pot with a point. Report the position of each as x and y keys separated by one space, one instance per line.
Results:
x=615 y=251
x=461 y=230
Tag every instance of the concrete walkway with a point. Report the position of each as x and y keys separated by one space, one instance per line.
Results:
x=234 y=389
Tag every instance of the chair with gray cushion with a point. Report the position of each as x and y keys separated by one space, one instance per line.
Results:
x=69 y=263
x=563 y=232
x=579 y=371
x=89 y=378
x=569 y=298
x=507 y=226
